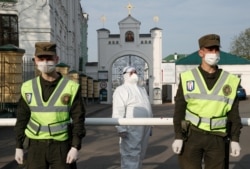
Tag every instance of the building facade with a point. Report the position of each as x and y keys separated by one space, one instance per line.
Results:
x=130 y=48
x=25 y=22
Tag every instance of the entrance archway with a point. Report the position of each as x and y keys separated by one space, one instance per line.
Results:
x=140 y=65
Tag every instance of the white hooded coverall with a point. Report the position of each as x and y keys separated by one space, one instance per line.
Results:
x=131 y=101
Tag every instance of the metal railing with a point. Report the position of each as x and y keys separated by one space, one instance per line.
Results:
x=120 y=121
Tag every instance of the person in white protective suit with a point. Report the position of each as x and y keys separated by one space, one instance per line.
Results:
x=131 y=101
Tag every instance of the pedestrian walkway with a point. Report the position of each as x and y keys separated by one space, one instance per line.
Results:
x=95 y=107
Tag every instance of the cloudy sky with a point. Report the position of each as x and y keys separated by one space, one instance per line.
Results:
x=182 y=21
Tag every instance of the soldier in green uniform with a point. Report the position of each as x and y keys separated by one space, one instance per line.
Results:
x=205 y=105
x=50 y=116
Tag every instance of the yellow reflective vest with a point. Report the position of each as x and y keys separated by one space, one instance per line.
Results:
x=49 y=120
x=207 y=109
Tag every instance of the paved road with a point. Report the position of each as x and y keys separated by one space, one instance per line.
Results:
x=100 y=147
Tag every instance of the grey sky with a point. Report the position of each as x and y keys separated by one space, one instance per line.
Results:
x=182 y=21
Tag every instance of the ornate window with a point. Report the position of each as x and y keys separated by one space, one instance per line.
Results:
x=9 y=30
x=129 y=36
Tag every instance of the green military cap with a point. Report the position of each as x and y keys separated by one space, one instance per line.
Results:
x=45 y=48
x=209 y=40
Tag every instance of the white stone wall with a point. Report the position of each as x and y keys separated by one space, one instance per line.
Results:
x=60 y=21
x=157 y=70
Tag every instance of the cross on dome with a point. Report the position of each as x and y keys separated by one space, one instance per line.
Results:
x=129 y=7
x=103 y=19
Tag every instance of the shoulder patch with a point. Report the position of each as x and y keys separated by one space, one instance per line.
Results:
x=227 y=90
x=190 y=85
x=65 y=99
x=28 y=97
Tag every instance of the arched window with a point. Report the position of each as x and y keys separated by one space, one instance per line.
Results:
x=129 y=36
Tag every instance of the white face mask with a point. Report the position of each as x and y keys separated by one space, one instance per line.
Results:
x=46 y=66
x=212 y=58
x=133 y=78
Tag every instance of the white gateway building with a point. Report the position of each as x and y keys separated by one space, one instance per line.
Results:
x=130 y=48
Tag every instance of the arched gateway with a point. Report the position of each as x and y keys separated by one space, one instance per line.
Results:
x=130 y=47
x=129 y=60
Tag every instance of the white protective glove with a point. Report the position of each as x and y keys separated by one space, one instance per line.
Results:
x=177 y=146
x=19 y=155
x=235 y=149
x=72 y=155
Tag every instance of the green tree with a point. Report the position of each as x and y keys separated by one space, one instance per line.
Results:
x=241 y=44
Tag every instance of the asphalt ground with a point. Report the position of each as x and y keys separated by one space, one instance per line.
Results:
x=100 y=148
